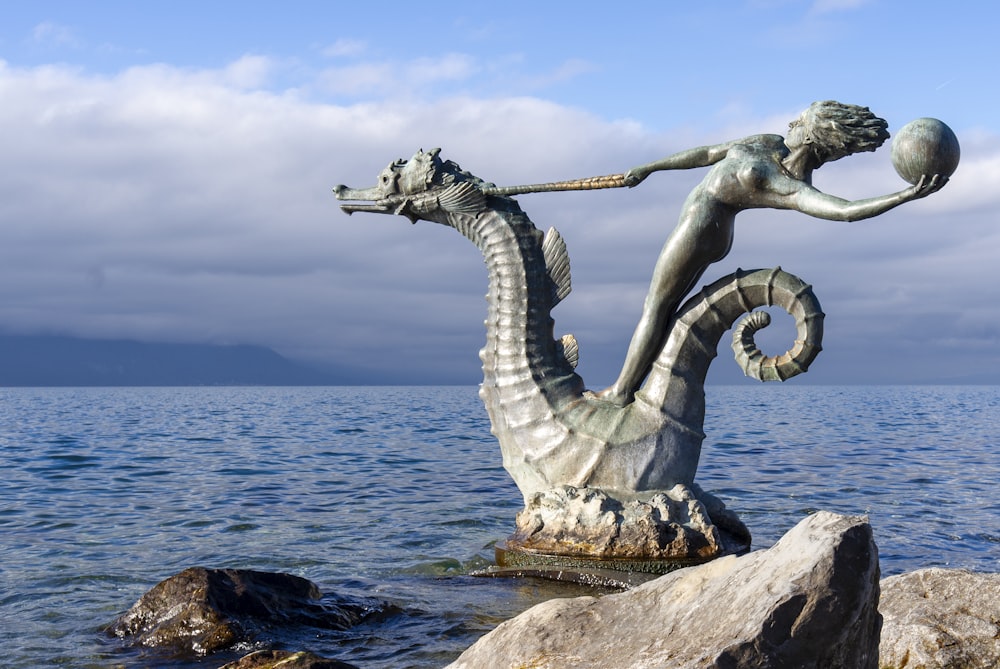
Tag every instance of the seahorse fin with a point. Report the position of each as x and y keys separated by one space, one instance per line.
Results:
x=570 y=349
x=462 y=197
x=557 y=265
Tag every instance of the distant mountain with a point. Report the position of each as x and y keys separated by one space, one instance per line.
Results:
x=68 y=361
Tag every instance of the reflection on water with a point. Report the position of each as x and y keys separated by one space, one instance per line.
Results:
x=399 y=493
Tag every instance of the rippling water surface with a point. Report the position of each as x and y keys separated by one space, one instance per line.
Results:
x=398 y=493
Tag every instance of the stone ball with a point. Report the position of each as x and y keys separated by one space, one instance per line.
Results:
x=925 y=146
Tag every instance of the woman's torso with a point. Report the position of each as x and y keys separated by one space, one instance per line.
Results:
x=734 y=184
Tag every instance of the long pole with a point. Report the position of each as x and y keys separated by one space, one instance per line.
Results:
x=590 y=183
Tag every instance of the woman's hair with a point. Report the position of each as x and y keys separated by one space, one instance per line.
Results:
x=839 y=130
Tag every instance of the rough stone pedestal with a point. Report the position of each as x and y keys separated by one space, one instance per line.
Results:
x=585 y=528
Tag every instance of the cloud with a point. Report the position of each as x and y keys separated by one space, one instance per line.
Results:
x=379 y=79
x=344 y=47
x=827 y=6
x=249 y=72
x=54 y=34
x=164 y=203
x=566 y=71
x=168 y=204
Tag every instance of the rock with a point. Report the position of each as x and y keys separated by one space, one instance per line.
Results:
x=684 y=524
x=201 y=611
x=940 y=618
x=281 y=659
x=808 y=602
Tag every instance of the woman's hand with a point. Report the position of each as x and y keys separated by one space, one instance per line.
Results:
x=928 y=184
x=636 y=176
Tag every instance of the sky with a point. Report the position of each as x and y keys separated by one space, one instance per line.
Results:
x=166 y=172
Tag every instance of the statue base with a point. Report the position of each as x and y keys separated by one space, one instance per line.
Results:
x=589 y=529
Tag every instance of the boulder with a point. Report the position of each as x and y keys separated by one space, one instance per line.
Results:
x=808 y=602
x=282 y=659
x=683 y=524
x=201 y=611
x=940 y=619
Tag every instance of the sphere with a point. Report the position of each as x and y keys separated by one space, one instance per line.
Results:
x=925 y=146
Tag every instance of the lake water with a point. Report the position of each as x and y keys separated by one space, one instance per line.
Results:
x=398 y=493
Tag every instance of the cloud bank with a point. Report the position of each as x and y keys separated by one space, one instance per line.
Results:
x=180 y=205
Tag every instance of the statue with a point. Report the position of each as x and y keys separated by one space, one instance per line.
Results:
x=750 y=173
x=608 y=478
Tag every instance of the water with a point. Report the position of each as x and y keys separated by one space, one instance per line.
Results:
x=398 y=493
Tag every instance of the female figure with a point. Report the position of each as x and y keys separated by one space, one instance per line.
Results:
x=751 y=173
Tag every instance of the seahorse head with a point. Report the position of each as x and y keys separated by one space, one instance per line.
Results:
x=417 y=188
x=410 y=177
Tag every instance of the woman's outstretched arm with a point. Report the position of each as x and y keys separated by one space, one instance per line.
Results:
x=701 y=156
x=810 y=201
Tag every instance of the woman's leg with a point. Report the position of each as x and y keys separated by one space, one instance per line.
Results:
x=674 y=274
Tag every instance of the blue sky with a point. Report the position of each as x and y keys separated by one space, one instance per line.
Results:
x=165 y=171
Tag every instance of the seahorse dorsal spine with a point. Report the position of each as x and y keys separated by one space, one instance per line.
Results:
x=557 y=265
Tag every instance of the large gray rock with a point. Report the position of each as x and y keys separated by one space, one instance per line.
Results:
x=940 y=619
x=810 y=601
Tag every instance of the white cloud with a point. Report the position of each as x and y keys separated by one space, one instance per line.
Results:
x=449 y=67
x=361 y=79
x=344 y=47
x=826 y=6
x=566 y=71
x=249 y=72
x=55 y=34
x=397 y=79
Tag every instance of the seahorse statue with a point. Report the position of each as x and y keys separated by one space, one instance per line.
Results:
x=598 y=480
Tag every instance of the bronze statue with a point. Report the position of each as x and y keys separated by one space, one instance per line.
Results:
x=611 y=475
x=751 y=173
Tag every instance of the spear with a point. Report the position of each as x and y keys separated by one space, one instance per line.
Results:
x=382 y=205
x=589 y=183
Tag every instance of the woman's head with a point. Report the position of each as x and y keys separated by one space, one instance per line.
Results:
x=835 y=130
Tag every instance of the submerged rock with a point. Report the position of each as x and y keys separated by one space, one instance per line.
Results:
x=940 y=619
x=281 y=659
x=201 y=611
x=808 y=602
